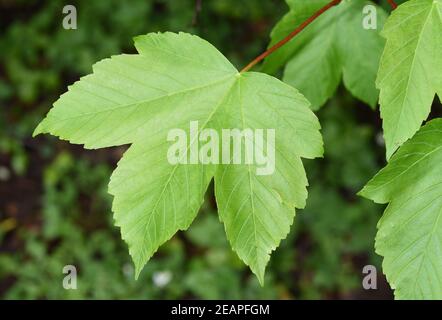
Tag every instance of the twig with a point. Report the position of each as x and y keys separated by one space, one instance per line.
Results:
x=392 y=4
x=291 y=35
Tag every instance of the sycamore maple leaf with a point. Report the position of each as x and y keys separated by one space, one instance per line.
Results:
x=173 y=80
x=410 y=232
x=410 y=72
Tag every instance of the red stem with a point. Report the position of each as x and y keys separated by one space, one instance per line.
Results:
x=392 y=4
x=291 y=35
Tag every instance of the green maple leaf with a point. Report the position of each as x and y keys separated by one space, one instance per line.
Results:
x=335 y=45
x=173 y=80
x=410 y=72
x=410 y=232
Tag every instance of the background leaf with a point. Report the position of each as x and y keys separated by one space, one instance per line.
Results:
x=410 y=232
x=335 y=45
x=410 y=71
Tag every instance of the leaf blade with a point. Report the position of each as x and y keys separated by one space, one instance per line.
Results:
x=258 y=210
x=124 y=86
x=176 y=80
x=410 y=68
x=410 y=232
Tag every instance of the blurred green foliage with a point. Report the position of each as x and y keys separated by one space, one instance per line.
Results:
x=54 y=206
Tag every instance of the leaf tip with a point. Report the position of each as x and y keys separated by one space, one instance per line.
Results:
x=137 y=274
x=38 y=130
x=138 y=268
x=362 y=193
x=259 y=271
x=260 y=275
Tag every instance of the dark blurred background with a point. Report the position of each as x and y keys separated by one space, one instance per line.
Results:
x=54 y=206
